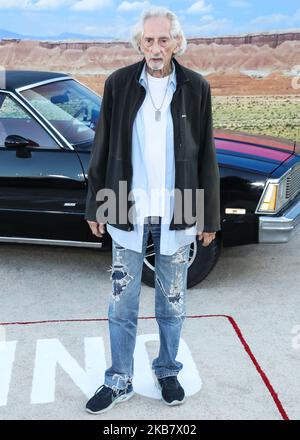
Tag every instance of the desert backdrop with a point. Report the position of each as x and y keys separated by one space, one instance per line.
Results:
x=255 y=78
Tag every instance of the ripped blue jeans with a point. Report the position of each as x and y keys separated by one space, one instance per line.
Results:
x=170 y=308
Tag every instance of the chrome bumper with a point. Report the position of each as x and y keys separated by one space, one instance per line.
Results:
x=280 y=229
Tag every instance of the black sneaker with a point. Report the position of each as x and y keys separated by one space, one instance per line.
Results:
x=172 y=392
x=105 y=398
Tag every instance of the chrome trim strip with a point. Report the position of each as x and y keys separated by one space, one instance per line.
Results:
x=280 y=229
x=25 y=105
x=42 y=241
x=41 y=83
x=87 y=87
x=235 y=211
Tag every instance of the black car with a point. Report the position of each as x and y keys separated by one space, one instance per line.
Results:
x=47 y=126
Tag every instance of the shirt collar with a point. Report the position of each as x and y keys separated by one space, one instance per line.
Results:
x=172 y=78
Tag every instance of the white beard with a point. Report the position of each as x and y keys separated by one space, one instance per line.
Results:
x=156 y=66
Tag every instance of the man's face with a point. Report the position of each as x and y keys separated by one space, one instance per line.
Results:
x=157 y=44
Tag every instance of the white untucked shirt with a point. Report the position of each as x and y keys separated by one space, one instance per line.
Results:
x=155 y=145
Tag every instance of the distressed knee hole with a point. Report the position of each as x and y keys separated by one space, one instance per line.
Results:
x=175 y=294
x=120 y=279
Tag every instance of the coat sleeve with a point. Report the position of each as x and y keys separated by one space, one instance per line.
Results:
x=208 y=169
x=98 y=161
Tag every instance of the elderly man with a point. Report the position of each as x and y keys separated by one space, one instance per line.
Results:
x=155 y=134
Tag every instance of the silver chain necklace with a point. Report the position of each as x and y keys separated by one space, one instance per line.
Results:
x=157 y=110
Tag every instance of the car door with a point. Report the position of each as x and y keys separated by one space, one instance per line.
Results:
x=42 y=185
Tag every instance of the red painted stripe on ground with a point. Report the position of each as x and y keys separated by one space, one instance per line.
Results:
x=259 y=369
x=233 y=323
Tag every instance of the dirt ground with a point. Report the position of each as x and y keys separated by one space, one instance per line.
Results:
x=224 y=84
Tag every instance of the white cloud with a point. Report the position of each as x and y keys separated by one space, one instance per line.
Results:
x=115 y=30
x=270 y=19
x=32 y=5
x=207 y=25
x=199 y=7
x=51 y=4
x=39 y=5
x=208 y=18
x=132 y=6
x=90 y=5
x=283 y=19
x=20 y=4
x=239 y=4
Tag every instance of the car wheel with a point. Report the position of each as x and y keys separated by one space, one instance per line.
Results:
x=201 y=261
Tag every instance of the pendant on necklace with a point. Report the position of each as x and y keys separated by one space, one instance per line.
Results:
x=157 y=115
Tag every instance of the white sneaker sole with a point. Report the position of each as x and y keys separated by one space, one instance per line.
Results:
x=119 y=399
x=175 y=402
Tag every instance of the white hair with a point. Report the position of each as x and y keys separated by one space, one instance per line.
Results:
x=158 y=11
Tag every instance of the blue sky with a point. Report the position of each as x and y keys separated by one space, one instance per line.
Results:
x=113 y=18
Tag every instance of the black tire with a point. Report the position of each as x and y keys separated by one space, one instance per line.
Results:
x=202 y=261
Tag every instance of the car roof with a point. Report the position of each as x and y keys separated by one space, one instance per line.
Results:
x=20 y=78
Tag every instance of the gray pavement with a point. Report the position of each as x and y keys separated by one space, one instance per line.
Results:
x=49 y=369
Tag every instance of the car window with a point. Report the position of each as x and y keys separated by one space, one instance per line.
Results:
x=15 y=120
x=72 y=108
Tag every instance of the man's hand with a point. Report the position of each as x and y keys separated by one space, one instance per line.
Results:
x=97 y=229
x=208 y=237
